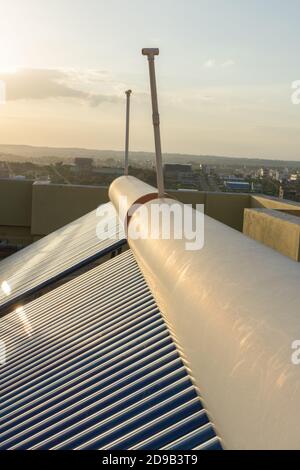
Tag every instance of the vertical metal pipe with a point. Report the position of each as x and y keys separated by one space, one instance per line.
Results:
x=128 y=93
x=156 y=121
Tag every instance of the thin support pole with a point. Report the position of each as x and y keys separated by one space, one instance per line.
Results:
x=151 y=53
x=128 y=93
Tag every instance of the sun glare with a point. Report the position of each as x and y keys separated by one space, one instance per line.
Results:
x=8 y=69
x=9 y=64
x=10 y=57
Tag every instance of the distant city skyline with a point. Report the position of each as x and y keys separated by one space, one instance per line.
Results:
x=225 y=75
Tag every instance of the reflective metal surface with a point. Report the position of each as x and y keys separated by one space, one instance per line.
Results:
x=59 y=253
x=92 y=365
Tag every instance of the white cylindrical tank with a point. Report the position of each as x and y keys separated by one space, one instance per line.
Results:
x=234 y=307
x=126 y=191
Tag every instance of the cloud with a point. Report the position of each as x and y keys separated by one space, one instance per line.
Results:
x=212 y=63
x=41 y=84
x=209 y=64
x=228 y=63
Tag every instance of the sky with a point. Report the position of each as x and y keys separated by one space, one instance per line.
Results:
x=224 y=74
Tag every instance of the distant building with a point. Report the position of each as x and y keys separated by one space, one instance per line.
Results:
x=208 y=169
x=285 y=173
x=19 y=177
x=83 y=165
x=108 y=171
x=277 y=175
x=180 y=173
x=294 y=177
x=239 y=186
x=234 y=178
x=291 y=193
x=256 y=187
x=175 y=168
x=281 y=193
x=84 y=162
x=263 y=172
x=42 y=178
x=4 y=172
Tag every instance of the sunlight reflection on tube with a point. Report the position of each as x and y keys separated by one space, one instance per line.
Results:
x=2 y=353
x=26 y=323
x=6 y=288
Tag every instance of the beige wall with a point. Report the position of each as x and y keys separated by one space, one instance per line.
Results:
x=16 y=235
x=15 y=203
x=56 y=205
x=275 y=229
x=227 y=208
x=189 y=197
x=258 y=201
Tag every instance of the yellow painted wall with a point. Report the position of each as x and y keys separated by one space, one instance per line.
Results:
x=275 y=229
x=258 y=201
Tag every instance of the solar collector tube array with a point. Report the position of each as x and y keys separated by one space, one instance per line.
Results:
x=58 y=254
x=91 y=365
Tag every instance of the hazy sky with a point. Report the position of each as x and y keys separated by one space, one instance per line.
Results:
x=224 y=74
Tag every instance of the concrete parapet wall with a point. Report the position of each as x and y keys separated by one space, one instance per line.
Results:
x=15 y=203
x=56 y=205
x=276 y=229
x=268 y=202
x=227 y=208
